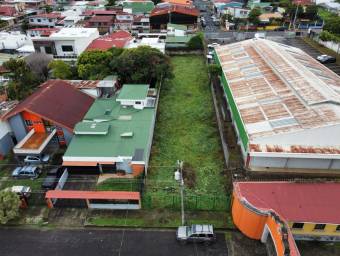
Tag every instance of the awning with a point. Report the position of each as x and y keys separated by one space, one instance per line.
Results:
x=108 y=195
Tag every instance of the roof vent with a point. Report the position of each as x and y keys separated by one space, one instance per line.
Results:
x=107 y=111
x=126 y=134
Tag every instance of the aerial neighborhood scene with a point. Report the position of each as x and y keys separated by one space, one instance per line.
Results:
x=170 y=127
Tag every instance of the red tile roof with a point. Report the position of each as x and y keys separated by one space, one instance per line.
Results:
x=188 y=10
x=79 y=194
x=6 y=10
x=52 y=15
x=299 y=202
x=56 y=101
x=303 y=2
x=98 y=12
x=117 y=39
x=101 y=19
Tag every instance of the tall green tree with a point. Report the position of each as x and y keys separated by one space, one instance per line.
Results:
x=60 y=69
x=94 y=64
x=22 y=79
x=312 y=12
x=196 y=42
x=332 y=25
x=253 y=16
x=9 y=206
x=143 y=65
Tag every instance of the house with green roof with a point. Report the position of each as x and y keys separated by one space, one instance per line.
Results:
x=138 y=7
x=116 y=133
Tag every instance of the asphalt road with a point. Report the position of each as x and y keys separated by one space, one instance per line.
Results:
x=91 y=242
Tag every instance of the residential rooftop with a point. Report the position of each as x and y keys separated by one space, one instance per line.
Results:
x=133 y=92
x=113 y=130
x=76 y=32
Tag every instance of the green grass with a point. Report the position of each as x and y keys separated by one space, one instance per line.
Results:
x=115 y=184
x=186 y=129
x=158 y=219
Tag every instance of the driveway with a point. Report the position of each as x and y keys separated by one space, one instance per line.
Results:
x=91 y=242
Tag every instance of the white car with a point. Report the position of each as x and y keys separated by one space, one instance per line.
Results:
x=213 y=45
x=37 y=159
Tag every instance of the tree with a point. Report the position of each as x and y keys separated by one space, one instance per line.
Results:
x=38 y=64
x=111 y=3
x=332 y=25
x=214 y=70
x=196 y=42
x=24 y=25
x=9 y=206
x=143 y=65
x=94 y=64
x=60 y=69
x=253 y=16
x=22 y=79
x=312 y=12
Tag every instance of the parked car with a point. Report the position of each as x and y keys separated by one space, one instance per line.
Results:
x=213 y=45
x=43 y=159
x=20 y=190
x=326 y=59
x=196 y=233
x=27 y=171
x=52 y=178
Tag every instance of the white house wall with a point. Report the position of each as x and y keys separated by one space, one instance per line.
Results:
x=294 y=163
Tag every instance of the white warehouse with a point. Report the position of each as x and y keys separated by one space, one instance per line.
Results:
x=284 y=104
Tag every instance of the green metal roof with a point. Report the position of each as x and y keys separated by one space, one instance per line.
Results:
x=177 y=39
x=139 y=7
x=93 y=128
x=129 y=130
x=133 y=92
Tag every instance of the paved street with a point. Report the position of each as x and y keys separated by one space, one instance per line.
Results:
x=92 y=242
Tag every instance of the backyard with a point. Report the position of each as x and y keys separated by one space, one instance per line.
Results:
x=186 y=130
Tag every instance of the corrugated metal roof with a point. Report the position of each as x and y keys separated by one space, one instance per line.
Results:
x=278 y=88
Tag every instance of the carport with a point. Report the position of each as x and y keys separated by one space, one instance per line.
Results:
x=98 y=199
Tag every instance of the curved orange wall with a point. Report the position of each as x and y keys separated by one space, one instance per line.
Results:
x=252 y=225
x=248 y=222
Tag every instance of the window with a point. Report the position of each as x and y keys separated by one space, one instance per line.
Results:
x=28 y=122
x=338 y=228
x=67 y=48
x=138 y=102
x=38 y=20
x=48 y=49
x=31 y=20
x=319 y=226
x=49 y=20
x=297 y=225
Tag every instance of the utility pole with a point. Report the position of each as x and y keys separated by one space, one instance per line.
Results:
x=179 y=178
x=296 y=11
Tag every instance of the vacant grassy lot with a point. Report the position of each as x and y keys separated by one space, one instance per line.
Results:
x=186 y=129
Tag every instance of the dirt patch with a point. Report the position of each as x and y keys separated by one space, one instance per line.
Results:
x=189 y=175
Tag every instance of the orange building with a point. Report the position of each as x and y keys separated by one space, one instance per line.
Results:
x=287 y=211
x=48 y=115
x=181 y=2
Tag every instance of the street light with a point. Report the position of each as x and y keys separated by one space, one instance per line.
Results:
x=179 y=178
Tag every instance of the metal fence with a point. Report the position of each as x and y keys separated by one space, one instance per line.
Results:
x=191 y=202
